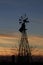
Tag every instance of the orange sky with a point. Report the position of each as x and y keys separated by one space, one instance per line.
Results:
x=9 y=43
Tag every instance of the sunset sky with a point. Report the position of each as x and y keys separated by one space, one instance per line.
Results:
x=10 y=12
x=9 y=44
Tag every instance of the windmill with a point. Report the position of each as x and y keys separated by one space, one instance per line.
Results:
x=24 y=49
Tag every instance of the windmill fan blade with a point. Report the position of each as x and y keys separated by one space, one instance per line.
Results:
x=26 y=18
x=19 y=19
x=20 y=22
x=27 y=21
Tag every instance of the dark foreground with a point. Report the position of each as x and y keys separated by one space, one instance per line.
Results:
x=20 y=60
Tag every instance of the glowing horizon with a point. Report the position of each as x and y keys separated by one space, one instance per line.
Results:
x=9 y=43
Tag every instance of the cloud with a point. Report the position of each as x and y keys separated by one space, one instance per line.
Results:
x=8 y=44
x=37 y=52
x=8 y=51
x=35 y=41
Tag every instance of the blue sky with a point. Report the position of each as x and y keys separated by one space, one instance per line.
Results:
x=11 y=10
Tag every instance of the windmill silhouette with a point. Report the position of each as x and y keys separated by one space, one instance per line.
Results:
x=24 y=49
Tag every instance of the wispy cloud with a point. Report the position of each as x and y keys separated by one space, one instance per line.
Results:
x=9 y=40
x=36 y=41
x=9 y=43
